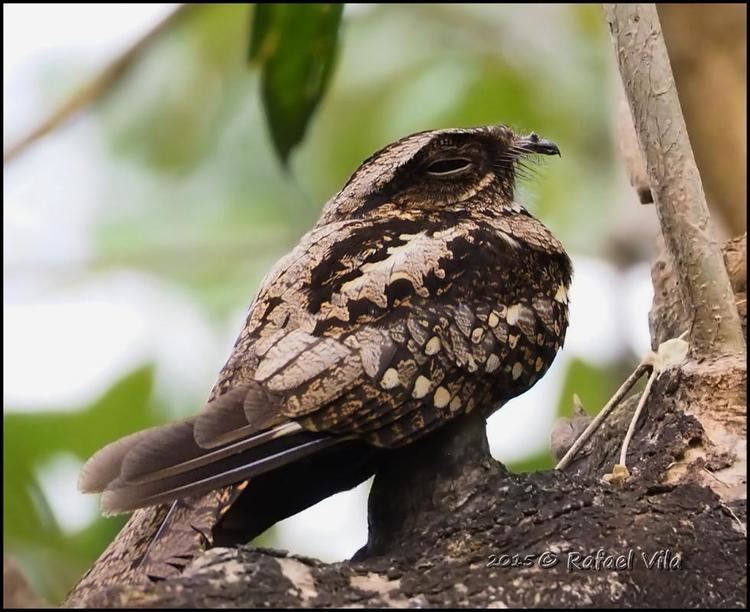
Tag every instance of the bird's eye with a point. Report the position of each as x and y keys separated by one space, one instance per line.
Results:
x=446 y=167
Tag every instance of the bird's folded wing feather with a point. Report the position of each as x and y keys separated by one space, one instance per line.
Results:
x=329 y=351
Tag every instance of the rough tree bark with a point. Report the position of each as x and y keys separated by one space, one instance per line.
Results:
x=457 y=529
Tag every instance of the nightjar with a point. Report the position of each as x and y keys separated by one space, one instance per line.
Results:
x=424 y=292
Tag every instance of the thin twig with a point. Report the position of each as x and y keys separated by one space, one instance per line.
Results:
x=603 y=414
x=742 y=526
x=634 y=420
x=675 y=183
x=102 y=83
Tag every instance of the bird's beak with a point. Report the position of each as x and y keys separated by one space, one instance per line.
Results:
x=533 y=144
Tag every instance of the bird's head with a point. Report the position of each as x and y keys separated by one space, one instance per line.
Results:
x=439 y=169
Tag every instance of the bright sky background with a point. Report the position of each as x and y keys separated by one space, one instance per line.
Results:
x=80 y=339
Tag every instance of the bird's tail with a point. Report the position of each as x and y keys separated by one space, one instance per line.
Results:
x=163 y=464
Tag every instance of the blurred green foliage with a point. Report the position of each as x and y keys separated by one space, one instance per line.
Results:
x=196 y=199
x=188 y=129
x=169 y=110
x=31 y=440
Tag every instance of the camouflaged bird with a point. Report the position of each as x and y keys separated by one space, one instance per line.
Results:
x=424 y=292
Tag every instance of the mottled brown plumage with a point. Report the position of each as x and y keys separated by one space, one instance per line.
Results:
x=424 y=292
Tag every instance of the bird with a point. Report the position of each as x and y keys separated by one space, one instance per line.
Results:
x=424 y=292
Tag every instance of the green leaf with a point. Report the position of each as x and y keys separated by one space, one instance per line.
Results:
x=295 y=46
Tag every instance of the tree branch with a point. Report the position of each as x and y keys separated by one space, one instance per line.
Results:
x=675 y=182
x=99 y=86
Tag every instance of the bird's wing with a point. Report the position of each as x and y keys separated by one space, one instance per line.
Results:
x=348 y=337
